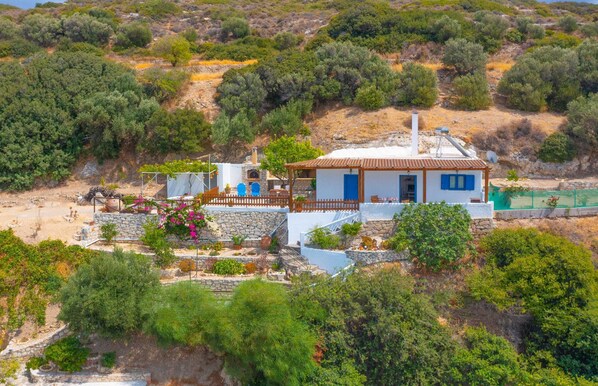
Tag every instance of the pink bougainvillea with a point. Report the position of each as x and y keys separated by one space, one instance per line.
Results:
x=183 y=219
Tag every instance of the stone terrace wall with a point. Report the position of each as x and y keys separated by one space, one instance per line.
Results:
x=222 y=284
x=373 y=257
x=252 y=224
x=385 y=228
x=34 y=347
x=482 y=226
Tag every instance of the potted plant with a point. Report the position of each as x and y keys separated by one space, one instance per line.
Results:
x=238 y=241
x=265 y=242
x=299 y=200
x=227 y=189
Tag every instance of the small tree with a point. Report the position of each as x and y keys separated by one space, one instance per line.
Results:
x=465 y=57
x=370 y=97
x=417 y=86
x=108 y=231
x=104 y=296
x=557 y=147
x=581 y=126
x=156 y=239
x=472 y=92
x=286 y=150
x=436 y=234
x=133 y=35
x=236 y=27
x=568 y=23
x=41 y=29
x=175 y=49
x=263 y=341
x=228 y=130
x=287 y=119
x=285 y=40
x=84 y=28
x=446 y=28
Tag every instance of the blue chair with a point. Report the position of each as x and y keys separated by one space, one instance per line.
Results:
x=255 y=189
x=242 y=190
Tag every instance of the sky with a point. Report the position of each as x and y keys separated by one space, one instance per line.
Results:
x=25 y=4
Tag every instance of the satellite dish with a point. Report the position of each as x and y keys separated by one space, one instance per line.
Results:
x=491 y=157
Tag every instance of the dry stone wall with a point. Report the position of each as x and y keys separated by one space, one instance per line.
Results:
x=252 y=224
x=34 y=347
x=482 y=226
x=374 y=257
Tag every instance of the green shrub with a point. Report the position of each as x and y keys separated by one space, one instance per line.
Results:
x=265 y=343
x=156 y=239
x=436 y=234
x=587 y=53
x=18 y=48
x=536 y=31
x=164 y=85
x=368 y=319
x=235 y=27
x=514 y=36
x=581 y=124
x=286 y=40
x=67 y=45
x=287 y=119
x=557 y=147
x=249 y=47
x=323 y=238
x=9 y=369
x=108 y=359
x=134 y=34
x=35 y=363
x=229 y=131
x=568 y=23
x=486 y=360
x=465 y=57
x=472 y=91
x=446 y=28
x=104 y=295
x=351 y=229
x=175 y=49
x=86 y=29
x=558 y=39
x=8 y=29
x=417 y=86
x=369 y=97
x=68 y=354
x=41 y=29
x=158 y=9
x=108 y=231
x=179 y=131
x=228 y=267
x=544 y=77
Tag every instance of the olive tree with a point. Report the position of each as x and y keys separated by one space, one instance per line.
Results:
x=175 y=49
x=84 y=28
x=235 y=27
x=105 y=295
x=133 y=35
x=581 y=122
x=43 y=30
x=472 y=92
x=464 y=56
x=417 y=86
x=446 y=28
x=287 y=150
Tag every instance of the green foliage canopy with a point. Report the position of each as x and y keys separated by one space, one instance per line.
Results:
x=286 y=150
x=581 y=123
x=436 y=234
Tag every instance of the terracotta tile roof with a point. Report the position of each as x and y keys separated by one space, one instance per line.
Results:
x=391 y=163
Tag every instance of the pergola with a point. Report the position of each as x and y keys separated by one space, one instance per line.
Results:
x=390 y=164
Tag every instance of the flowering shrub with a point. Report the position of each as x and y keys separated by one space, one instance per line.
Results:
x=143 y=205
x=552 y=201
x=184 y=220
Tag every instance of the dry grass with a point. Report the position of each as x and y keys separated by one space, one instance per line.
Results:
x=499 y=66
x=203 y=76
x=432 y=66
x=143 y=66
x=221 y=62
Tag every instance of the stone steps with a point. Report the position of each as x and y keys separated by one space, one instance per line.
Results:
x=295 y=264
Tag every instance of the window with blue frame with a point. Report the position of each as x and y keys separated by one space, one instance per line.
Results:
x=457 y=182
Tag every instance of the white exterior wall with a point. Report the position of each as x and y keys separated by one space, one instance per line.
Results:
x=304 y=222
x=330 y=183
x=434 y=193
x=386 y=184
x=229 y=174
x=386 y=211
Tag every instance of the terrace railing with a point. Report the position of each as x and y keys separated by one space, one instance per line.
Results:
x=230 y=200
x=325 y=205
x=542 y=199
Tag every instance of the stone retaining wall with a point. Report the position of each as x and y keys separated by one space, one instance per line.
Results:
x=221 y=284
x=85 y=378
x=373 y=257
x=252 y=224
x=202 y=259
x=481 y=226
x=33 y=347
x=378 y=228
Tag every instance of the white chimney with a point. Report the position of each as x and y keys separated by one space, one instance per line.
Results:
x=414 y=134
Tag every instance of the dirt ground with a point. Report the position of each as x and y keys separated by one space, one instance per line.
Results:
x=168 y=365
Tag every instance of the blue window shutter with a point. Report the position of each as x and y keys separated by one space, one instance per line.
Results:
x=444 y=182
x=469 y=182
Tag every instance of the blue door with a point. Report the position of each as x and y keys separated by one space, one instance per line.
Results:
x=351 y=187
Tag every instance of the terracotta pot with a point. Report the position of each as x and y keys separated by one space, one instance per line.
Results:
x=237 y=247
x=112 y=204
x=265 y=242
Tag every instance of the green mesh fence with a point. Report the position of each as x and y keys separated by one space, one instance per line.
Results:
x=542 y=199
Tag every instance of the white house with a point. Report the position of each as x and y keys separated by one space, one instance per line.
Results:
x=397 y=174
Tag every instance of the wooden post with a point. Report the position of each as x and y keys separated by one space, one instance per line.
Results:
x=486 y=182
x=425 y=186
x=360 y=182
x=291 y=190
